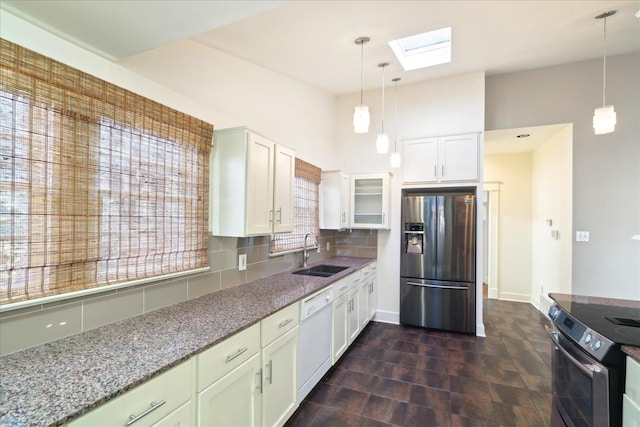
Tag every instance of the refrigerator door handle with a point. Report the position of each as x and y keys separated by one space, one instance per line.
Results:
x=437 y=286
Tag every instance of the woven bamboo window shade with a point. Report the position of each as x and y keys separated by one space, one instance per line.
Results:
x=305 y=209
x=98 y=186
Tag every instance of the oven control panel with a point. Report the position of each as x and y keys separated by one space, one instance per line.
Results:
x=588 y=339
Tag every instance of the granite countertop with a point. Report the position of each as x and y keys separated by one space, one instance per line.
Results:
x=632 y=351
x=52 y=383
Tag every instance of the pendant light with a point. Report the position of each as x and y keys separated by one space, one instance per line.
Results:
x=361 y=117
x=382 y=141
x=395 y=160
x=604 y=118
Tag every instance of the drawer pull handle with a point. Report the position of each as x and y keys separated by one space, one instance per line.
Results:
x=284 y=323
x=343 y=288
x=153 y=407
x=236 y=354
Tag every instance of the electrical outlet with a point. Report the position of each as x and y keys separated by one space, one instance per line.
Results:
x=328 y=246
x=582 y=236
x=242 y=262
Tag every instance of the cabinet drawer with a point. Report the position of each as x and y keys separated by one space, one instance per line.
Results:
x=181 y=417
x=369 y=270
x=166 y=393
x=222 y=358
x=341 y=287
x=630 y=413
x=279 y=323
x=632 y=389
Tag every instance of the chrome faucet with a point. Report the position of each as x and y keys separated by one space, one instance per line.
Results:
x=305 y=253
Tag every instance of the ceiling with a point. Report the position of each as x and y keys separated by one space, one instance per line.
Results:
x=506 y=140
x=313 y=41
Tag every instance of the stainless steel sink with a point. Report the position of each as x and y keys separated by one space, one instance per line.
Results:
x=322 y=270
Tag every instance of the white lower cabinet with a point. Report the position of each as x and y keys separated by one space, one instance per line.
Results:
x=154 y=402
x=340 y=337
x=346 y=324
x=363 y=303
x=280 y=365
x=353 y=319
x=229 y=382
x=280 y=387
x=631 y=397
x=235 y=399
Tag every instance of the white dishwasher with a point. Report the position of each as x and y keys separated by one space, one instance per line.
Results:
x=314 y=357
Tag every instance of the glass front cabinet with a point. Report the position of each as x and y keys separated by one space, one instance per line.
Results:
x=370 y=201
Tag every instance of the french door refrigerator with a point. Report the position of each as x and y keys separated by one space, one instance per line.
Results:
x=438 y=260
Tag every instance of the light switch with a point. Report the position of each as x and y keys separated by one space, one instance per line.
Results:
x=582 y=236
x=242 y=262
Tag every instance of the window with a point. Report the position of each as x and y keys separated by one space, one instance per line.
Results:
x=98 y=186
x=305 y=209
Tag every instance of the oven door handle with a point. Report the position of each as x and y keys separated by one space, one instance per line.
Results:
x=588 y=368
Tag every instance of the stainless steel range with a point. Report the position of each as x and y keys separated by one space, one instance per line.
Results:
x=588 y=365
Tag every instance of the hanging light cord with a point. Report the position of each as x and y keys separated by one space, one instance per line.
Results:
x=383 y=67
x=395 y=137
x=604 y=63
x=361 y=69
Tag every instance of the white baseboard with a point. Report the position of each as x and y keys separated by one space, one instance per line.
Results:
x=506 y=296
x=383 y=316
x=545 y=303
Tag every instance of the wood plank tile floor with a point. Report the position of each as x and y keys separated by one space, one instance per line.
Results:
x=397 y=375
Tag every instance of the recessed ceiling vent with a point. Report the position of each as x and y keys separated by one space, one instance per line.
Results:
x=423 y=50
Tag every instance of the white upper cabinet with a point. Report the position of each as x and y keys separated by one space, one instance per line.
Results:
x=370 y=201
x=251 y=185
x=441 y=159
x=336 y=200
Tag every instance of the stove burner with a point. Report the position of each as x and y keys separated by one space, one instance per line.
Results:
x=624 y=321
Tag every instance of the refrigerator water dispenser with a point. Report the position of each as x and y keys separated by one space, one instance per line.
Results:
x=414 y=238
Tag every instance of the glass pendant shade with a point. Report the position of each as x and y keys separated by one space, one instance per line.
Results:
x=382 y=143
x=395 y=160
x=604 y=120
x=361 y=119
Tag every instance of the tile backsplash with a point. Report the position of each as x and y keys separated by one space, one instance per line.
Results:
x=49 y=322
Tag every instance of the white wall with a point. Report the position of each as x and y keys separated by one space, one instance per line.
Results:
x=514 y=171
x=280 y=108
x=207 y=84
x=552 y=200
x=606 y=168
x=440 y=107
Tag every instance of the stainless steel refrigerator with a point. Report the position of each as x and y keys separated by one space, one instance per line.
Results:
x=438 y=260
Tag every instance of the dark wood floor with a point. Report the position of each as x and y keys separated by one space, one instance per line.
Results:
x=406 y=376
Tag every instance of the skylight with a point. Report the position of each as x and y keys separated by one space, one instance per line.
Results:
x=423 y=50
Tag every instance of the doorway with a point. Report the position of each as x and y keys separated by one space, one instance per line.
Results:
x=528 y=212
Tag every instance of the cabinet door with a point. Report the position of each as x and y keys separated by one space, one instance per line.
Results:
x=354 y=311
x=259 y=195
x=459 y=158
x=373 y=296
x=363 y=304
x=336 y=200
x=235 y=399
x=279 y=363
x=285 y=168
x=345 y=200
x=420 y=160
x=370 y=201
x=340 y=337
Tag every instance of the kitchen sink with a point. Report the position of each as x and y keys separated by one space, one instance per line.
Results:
x=322 y=270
